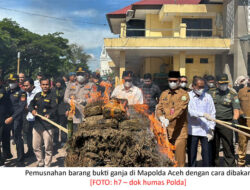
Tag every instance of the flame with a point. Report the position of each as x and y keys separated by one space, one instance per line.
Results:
x=161 y=135
x=72 y=107
x=107 y=91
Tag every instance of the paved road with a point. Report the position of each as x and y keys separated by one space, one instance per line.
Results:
x=57 y=161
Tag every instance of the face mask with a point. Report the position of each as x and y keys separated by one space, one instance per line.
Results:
x=241 y=86
x=81 y=79
x=173 y=85
x=199 y=92
x=128 y=84
x=223 y=87
x=13 y=85
x=210 y=85
x=183 y=85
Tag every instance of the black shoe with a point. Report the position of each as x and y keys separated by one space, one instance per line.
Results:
x=20 y=164
x=29 y=154
x=1 y=163
x=7 y=156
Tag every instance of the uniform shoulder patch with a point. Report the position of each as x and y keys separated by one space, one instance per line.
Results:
x=184 y=98
x=1 y=95
x=23 y=97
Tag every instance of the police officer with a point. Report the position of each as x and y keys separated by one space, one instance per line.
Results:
x=151 y=92
x=3 y=114
x=18 y=102
x=172 y=111
x=227 y=107
x=44 y=103
x=210 y=85
x=244 y=97
x=59 y=92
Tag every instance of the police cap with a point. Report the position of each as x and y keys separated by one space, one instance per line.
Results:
x=223 y=78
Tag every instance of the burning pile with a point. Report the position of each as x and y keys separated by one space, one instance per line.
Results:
x=115 y=135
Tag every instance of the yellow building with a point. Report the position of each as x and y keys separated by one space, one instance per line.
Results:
x=157 y=36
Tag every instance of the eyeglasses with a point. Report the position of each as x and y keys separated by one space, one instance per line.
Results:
x=183 y=82
x=172 y=80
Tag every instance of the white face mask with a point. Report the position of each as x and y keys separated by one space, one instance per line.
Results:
x=81 y=79
x=128 y=84
x=223 y=87
x=183 y=85
x=211 y=85
x=173 y=85
x=12 y=85
x=199 y=92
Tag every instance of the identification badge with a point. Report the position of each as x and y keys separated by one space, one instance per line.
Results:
x=172 y=111
x=183 y=98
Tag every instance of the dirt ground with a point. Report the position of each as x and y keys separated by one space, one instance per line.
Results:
x=60 y=153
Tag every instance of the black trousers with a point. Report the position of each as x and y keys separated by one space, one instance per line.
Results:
x=61 y=120
x=1 y=138
x=224 y=135
x=192 y=150
x=16 y=126
x=6 y=140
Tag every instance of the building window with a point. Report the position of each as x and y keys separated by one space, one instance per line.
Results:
x=198 y=27
x=135 y=28
x=204 y=60
x=189 y=60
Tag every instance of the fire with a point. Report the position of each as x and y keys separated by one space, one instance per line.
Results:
x=161 y=135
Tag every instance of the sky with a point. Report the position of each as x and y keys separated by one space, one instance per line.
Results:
x=82 y=21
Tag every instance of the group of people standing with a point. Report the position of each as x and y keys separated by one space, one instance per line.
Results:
x=188 y=114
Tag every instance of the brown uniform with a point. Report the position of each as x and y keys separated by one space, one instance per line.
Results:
x=244 y=97
x=173 y=105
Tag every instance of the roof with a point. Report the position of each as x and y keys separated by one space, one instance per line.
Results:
x=153 y=3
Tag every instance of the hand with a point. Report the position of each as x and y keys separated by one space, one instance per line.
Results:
x=47 y=116
x=67 y=113
x=34 y=112
x=210 y=135
x=242 y=116
x=208 y=117
x=164 y=121
x=234 y=123
x=9 y=120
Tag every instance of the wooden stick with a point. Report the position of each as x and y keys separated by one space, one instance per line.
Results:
x=232 y=128
x=240 y=126
x=53 y=123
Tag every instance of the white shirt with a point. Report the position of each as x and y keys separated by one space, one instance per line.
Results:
x=37 y=85
x=198 y=105
x=133 y=94
x=30 y=97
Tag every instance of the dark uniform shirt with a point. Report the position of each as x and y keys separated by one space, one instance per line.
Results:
x=225 y=103
x=62 y=106
x=44 y=104
x=4 y=105
x=150 y=95
x=18 y=102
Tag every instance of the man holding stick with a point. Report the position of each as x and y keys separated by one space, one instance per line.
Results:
x=44 y=103
x=227 y=107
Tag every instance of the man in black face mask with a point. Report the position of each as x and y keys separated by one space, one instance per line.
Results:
x=18 y=102
x=227 y=107
x=151 y=92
